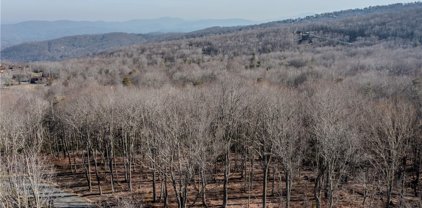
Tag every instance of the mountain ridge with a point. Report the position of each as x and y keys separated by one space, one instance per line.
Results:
x=398 y=21
x=31 y=31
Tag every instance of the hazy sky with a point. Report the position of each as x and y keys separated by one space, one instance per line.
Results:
x=118 y=10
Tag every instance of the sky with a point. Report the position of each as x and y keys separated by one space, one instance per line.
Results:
x=13 y=11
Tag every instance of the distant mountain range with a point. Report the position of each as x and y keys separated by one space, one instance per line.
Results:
x=13 y=34
x=399 y=22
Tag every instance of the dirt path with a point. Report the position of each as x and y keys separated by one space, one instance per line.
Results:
x=64 y=199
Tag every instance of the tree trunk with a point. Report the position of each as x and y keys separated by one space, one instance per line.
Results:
x=111 y=159
x=403 y=178
x=330 y=190
x=317 y=190
x=250 y=186
x=416 y=167
x=178 y=197
x=126 y=165
x=110 y=166
x=266 y=161
x=165 y=195
x=154 y=189
x=280 y=188
x=226 y=177
x=88 y=169
x=185 y=191
x=243 y=166
x=75 y=167
x=160 y=178
x=288 y=187
x=203 y=188
x=273 y=183
x=130 y=173
x=96 y=173
x=389 y=190
x=245 y=173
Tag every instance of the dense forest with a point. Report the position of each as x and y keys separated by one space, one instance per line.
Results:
x=324 y=111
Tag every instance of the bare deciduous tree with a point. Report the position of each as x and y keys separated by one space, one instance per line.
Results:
x=391 y=124
x=336 y=138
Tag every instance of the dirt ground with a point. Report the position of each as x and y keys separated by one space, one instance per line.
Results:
x=349 y=195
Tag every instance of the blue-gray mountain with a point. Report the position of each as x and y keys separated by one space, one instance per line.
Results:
x=13 y=34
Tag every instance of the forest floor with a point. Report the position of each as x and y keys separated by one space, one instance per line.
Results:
x=65 y=198
x=350 y=195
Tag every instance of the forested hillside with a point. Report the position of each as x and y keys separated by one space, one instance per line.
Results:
x=363 y=26
x=70 y=47
x=324 y=111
